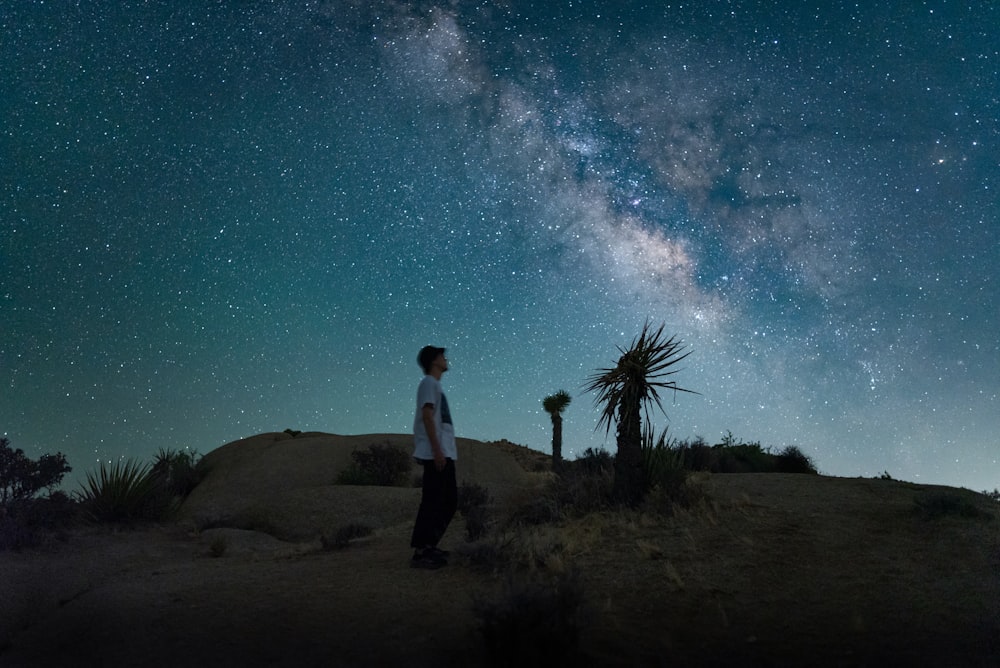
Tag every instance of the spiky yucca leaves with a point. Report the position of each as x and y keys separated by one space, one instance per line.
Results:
x=665 y=475
x=178 y=470
x=661 y=463
x=630 y=388
x=554 y=405
x=125 y=491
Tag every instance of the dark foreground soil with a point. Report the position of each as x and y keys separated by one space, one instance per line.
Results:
x=766 y=570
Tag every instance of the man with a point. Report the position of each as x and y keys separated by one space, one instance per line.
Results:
x=434 y=447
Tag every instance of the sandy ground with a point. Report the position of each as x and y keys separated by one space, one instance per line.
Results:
x=768 y=570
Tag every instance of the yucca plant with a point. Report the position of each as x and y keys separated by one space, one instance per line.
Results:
x=125 y=491
x=554 y=405
x=627 y=390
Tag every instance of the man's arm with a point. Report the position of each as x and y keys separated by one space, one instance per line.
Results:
x=427 y=415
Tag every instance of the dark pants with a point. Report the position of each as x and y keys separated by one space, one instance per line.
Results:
x=438 y=502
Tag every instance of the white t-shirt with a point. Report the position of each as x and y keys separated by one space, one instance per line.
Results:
x=429 y=392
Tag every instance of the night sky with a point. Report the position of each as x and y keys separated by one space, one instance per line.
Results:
x=219 y=219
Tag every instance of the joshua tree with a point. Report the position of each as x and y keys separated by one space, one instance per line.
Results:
x=628 y=389
x=554 y=405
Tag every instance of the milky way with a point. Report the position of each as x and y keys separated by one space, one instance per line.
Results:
x=219 y=220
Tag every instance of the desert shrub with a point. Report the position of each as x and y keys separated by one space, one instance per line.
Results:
x=472 y=495
x=580 y=490
x=669 y=489
x=125 y=491
x=478 y=520
x=178 y=471
x=343 y=536
x=793 y=460
x=26 y=519
x=383 y=465
x=292 y=432
x=682 y=491
x=535 y=620
x=593 y=461
x=695 y=455
x=23 y=478
x=745 y=458
x=992 y=496
x=699 y=455
x=941 y=503
x=474 y=502
x=730 y=456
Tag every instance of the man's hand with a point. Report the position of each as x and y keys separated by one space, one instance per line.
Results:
x=427 y=414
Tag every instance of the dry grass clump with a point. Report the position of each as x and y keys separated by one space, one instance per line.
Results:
x=475 y=503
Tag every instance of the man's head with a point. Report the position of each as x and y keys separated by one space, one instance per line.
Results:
x=430 y=356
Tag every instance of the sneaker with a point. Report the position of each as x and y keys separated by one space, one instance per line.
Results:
x=428 y=560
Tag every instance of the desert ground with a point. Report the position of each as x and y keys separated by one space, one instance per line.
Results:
x=762 y=570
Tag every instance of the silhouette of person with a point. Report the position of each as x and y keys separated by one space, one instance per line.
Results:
x=435 y=448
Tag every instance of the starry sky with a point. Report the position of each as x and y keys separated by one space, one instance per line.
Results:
x=219 y=219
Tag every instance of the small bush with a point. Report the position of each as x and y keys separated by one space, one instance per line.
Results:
x=745 y=458
x=670 y=489
x=535 y=621
x=472 y=495
x=699 y=455
x=26 y=520
x=593 y=461
x=23 y=478
x=478 y=521
x=178 y=471
x=665 y=499
x=580 y=490
x=383 y=465
x=793 y=460
x=474 y=503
